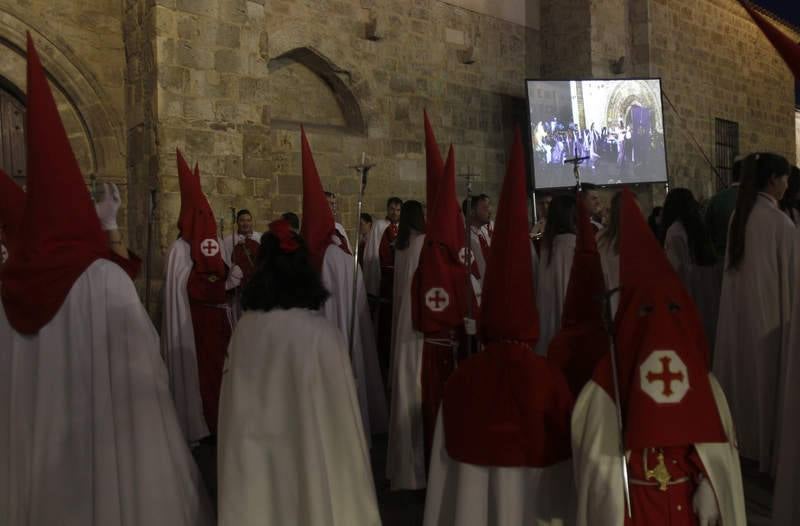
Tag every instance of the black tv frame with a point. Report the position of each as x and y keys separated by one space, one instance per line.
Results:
x=529 y=146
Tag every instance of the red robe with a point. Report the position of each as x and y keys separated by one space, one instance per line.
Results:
x=244 y=255
x=212 y=331
x=384 y=340
x=652 y=506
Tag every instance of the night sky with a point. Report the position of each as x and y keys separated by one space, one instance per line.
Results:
x=789 y=10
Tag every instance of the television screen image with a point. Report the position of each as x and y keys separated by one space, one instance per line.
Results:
x=618 y=125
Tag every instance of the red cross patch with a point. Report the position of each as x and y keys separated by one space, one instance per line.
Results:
x=209 y=247
x=664 y=377
x=437 y=299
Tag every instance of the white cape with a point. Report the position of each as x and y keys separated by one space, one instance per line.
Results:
x=702 y=282
x=292 y=449
x=88 y=431
x=552 y=279
x=786 y=505
x=405 y=458
x=752 y=345
x=177 y=343
x=595 y=454
x=343 y=232
x=462 y=494
x=337 y=278
x=372 y=258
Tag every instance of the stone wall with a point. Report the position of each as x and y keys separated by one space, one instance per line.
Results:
x=715 y=63
x=236 y=79
x=231 y=81
x=86 y=72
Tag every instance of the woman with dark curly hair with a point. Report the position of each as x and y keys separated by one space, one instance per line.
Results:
x=292 y=448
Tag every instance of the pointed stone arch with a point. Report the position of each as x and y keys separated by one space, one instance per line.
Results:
x=94 y=129
x=636 y=93
x=336 y=85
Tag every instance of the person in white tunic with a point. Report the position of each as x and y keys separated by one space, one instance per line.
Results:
x=405 y=462
x=500 y=453
x=88 y=430
x=334 y=262
x=239 y=251
x=555 y=264
x=759 y=283
x=292 y=449
x=689 y=248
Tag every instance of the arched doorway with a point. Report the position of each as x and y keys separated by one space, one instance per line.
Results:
x=12 y=131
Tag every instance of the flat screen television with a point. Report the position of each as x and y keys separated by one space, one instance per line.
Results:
x=618 y=125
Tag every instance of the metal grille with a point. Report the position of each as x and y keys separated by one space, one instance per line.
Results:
x=726 y=149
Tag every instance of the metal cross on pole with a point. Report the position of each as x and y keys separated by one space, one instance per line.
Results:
x=468 y=258
x=608 y=321
x=363 y=170
x=575 y=161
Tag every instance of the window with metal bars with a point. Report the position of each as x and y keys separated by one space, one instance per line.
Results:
x=726 y=149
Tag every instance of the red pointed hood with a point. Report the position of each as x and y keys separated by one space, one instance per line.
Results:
x=186 y=183
x=662 y=351
x=508 y=299
x=434 y=167
x=582 y=340
x=439 y=298
x=198 y=227
x=445 y=222
x=787 y=48
x=318 y=227
x=506 y=406
x=12 y=207
x=48 y=259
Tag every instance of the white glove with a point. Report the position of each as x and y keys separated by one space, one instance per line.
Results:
x=234 y=278
x=705 y=505
x=108 y=206
x=470 y=327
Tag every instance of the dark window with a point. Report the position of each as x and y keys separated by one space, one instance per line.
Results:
x=726 y=149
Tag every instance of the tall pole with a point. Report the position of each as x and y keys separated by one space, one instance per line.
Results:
x=468 y=257
x=362 y=170
x=609 y=323
x=233 y=228
x=148 y=274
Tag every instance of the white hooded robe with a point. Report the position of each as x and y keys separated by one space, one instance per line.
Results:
x=461 y=494
x=88 y=430
x=337 y=278
x=177 y=343
x=292 y=450
x=405 y=462
x=752 y=345
x=552 y=280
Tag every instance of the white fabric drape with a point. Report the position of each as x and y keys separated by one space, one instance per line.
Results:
x=88 y=430
x=752 y=344
x=405 y=462
x=337 y=277
x=292 y=449
x=177 y=343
